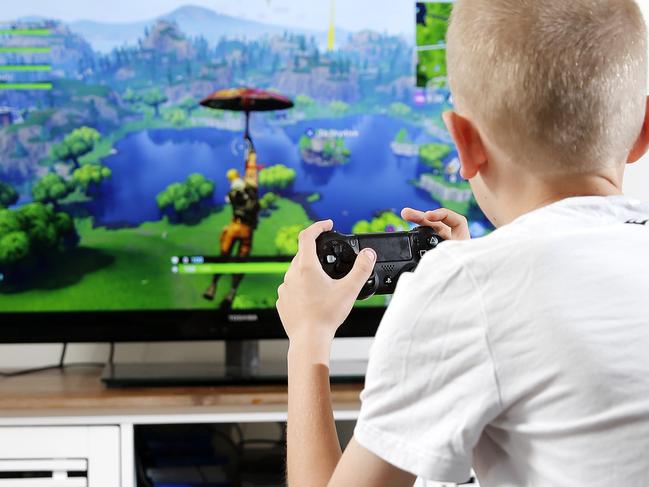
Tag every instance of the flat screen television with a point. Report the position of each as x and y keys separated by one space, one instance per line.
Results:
x=132 y=212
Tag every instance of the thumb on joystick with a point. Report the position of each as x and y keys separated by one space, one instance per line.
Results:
x=362 y=270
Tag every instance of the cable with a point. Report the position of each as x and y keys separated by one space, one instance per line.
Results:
x=63 y=351
x=111 y=353
x=28 y=371
x=61 y=365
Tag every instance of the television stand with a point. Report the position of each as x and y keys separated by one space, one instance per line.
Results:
x=242 y=367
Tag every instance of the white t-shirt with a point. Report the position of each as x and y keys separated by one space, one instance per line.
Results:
x=524 y=354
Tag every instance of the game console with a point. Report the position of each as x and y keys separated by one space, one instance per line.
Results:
x=396 y=252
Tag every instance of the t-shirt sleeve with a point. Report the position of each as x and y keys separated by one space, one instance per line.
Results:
x=431 y=385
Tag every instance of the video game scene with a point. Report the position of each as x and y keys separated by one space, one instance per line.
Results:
x=166 y=155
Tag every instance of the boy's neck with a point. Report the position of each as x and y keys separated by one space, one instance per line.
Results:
x=531 y=193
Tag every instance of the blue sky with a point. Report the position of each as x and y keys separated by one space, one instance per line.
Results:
x=393 y=16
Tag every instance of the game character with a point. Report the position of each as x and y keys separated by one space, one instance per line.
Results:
x=244 y=198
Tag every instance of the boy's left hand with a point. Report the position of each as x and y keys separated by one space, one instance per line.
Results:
x=311 y=304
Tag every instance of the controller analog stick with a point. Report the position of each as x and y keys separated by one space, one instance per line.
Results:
x=370 y=287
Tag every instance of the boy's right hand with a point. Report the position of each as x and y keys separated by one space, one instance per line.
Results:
x=448 y=224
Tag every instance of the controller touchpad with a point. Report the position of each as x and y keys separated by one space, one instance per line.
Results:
x=387 y=249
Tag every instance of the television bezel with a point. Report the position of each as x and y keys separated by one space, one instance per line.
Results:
x=163 y=326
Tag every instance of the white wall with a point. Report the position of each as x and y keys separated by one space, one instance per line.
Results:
x=636 y=182
x=636 y=185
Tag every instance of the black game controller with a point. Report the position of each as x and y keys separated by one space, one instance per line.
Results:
x=396 y=253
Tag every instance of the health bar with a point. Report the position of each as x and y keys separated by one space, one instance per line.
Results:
x=25 y=67
x=25 y=32
x=437 y=47
x=234 y=268
x=25 y=86
x=25 y=49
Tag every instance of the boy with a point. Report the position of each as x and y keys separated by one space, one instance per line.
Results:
x=524 y=354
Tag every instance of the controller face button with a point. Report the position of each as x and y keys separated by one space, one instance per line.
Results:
x=433 y=241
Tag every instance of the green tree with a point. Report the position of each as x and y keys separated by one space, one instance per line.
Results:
x=131 y=96
x=155 y=98
x=433 y=154
x=33 y=232
x=199 y=183
x=329 y=149
x=9 y=221
x=76 y=144
x=176 y=117
x=341 y=149
x=402 y=136
x=268 y=201
x=286 y=239
x=305 y=143
x=189 y=104
x=304 y=102
x=400 y=109
x=385 y=222
x=51 y=188
x=210 y=112
x=336 y=150
x=339 y=107
x=8 y=195
x=90 y=175
x=13 y=248
x=183 y=200
x=278 y=177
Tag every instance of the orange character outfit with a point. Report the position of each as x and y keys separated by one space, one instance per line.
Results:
x=244 y=198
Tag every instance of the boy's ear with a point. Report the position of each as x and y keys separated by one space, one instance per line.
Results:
x=642 y=143
x=468 y=142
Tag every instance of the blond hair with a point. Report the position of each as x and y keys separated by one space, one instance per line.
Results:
x=558 y=85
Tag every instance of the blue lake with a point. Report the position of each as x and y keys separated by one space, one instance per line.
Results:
x=374 y=179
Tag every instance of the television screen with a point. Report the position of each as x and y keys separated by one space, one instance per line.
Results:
x=120 y=191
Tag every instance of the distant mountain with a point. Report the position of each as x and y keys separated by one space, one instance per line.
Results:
x=193 y=21
x=166 y=37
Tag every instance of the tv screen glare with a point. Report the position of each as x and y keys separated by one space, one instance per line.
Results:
x=120 y=191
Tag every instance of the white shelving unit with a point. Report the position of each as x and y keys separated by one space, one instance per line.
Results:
x=101 y=443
